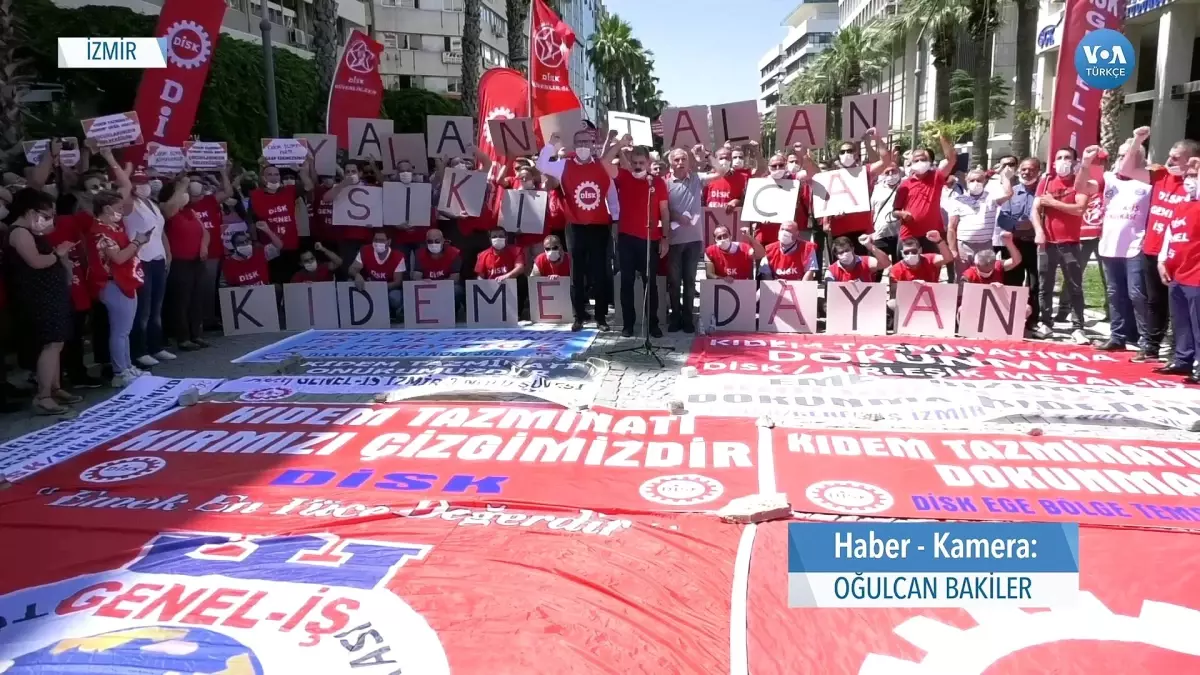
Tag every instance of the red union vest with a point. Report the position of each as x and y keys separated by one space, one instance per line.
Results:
x=790 y=266
x=737 y=263
x=437 y=268
x=375 y=270
x=278 y=209
x=249 y=272
x=585 y=192
x=861 y=272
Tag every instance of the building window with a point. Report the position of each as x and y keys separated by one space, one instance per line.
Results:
x=453 y=5
x=454 y=85
x=401 y=41
x=451 y=44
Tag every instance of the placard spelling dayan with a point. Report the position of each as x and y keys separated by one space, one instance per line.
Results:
x=1028 y=565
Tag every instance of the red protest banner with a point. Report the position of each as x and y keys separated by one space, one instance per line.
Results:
x=1138 y=590
x=990 y=476
x=503 y=94
x=357 y=89
x=550 y=44
x=1075 y=112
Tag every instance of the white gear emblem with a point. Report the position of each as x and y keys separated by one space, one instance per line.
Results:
x=268 y=394
x=120 y=470
x=681 y=490
x=193 y=40
x=359 y=58
x=1003 y=631
x=849 y=496
x=500 y=113
x=587 y=195
x=549 y=47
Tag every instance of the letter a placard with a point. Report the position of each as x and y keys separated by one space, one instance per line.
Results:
x=926 y=309
x=249 y=309
x=863 y=112
x=368 y=138
x=685 y=127
x=450 y=136
x=840 y=192
x=803 y=124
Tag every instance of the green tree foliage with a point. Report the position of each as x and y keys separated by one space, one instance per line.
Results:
x=962 y=96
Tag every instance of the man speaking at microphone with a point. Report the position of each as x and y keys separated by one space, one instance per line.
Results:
x=643 y=213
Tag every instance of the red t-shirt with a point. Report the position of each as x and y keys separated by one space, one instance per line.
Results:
x=791 y=265
x=633 y=194
x=320 y=216
x=585 y=190
x=318 y=275
x=720 y=191
x=926 y=270
x=492 y=264
x=185 y=233
x=1061 y=228
x=737 y=262
x=436 y=268
x=861 y=272
x=278 y=209
x=854 y=223
x=547 y=268
x=374 y=269
x=252 y=271
x=1166 y=194
x=75 y=228
x=556 y=212
x=208 y=211
x=972 y=276
x=1183 y=262
x=127 y=276
x=921 y=196
x=1093 y=214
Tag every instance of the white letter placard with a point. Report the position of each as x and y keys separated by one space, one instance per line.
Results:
x=550 y=300
x=737 y=123
x=249 y=309
x=491 y=304
x=450 y=136
x=729 y=305
x=635 y=125
x=803 y=124
x=787 y=307
x=429 y=304
x=839 y=192
x=324 y=149
x=770 y=201
x=855 y=308
x=926 y=309
x=463 y=192
x=686 y=127
x=360 y=205
x=368 y=138
x=993 y=312
x=863 y=112
x=407 y=204
x=312 y=305
x=364 y=309
x=524 y=211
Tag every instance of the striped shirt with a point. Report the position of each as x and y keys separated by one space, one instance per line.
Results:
x=976 y=217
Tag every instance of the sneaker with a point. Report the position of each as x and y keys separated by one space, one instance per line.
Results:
x=147 y=361
x=1079 y=338
x=122 y=380
x=134 y=372
x=1111 y=346
x=655 y=332
x=1042 y=332
x=165 y=355
x=576 y=326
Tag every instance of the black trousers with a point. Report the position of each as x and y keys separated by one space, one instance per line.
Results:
x=185 y=299
x=631 y=255
x=72 y=355
x=1158 y=308
x=589 y=248
x=1025 y=274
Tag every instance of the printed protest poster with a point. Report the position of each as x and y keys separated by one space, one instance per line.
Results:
x=536 y=342
x=114 y=131
x=165 y=159
x=206 y=155
x=285 y=151
x=68 y=154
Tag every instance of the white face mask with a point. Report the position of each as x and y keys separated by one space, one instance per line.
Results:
x=311 y=266
x=778 y=174
x=195 y=189
x=434 y=248
x=786 y=238
x=272 y=185
x=919 y=168
x=847 y=259
x=1175 y=169
x=245 y=250
x=912 y=259
x=405 y=176
x=847 y=159
x=723 y=163
x=725 y=244
x=381 y=249
x=975 y=188
x=1008 y=172
x=142 y=191
x=553 y=256
x=892 y=179
x=353 y=178
x=1190 y=185
x=793 y=167
x=738 y=162
x=499 y=243
x=584 y=153
x=639 y=174
x=41 y=225
x=1064 y=167
x=155 y=185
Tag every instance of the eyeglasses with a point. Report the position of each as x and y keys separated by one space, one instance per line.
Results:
x=433 y=241
x=553 y=248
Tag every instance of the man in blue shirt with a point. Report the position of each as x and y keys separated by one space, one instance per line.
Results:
x=1014 y=217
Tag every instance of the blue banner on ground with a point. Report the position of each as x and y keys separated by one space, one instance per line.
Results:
x=549 y=342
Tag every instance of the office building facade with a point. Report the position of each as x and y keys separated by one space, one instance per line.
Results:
x=810 y=29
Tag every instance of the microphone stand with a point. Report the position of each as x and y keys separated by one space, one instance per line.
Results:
x=647 y=348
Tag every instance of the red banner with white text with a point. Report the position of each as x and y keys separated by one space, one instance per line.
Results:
x=168 y=98
x=990 y=476
x=1075 y=113
x=550 y=44
x=357 y=89
x=503 y=95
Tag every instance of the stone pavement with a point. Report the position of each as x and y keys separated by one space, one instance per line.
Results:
x=631 y=381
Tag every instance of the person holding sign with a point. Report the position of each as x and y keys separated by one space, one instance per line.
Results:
x=730 y=260
x=553 y=262
x=849 y=266
x=918 y=203
x=974 y=229
x=350 y=238
x=381 y=262
x=791 y=258
x=247 y=263
x=726 y=188
x=584 y=183
x=768 y=233
x=917 y=266
x=311 y=271
x=1057 y=221
x=275 y=204
x=984 y=269
x=644 y=213
x=853 y=225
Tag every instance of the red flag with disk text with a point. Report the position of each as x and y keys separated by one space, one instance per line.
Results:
x=550 y=43
x=1075 y=116
x=168 y=98
x=357 y=89
x=503 y=95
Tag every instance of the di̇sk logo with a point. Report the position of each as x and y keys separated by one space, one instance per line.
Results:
x=499 y=113
x=681 y=490
x=226 y=603
x=268 y=394
x=1104 y=59
x=188 y=44
x=360 y=58
x=549 y=46
x=120 y=470
x=849 y=496
x=587 y=195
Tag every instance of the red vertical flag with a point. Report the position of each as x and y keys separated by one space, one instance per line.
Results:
x=503 y=94
x=357 y=89
x=1075 y=115
x=550 y=43
x=168 y=98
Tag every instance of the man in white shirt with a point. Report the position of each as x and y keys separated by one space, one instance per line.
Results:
x=1122 y=229
x=974 y=228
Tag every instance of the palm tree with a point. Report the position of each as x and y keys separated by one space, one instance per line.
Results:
x=1027 y=18
x=962 y=96
x=517 y=14
x=940 y=20
x=618 y=57
x=325 y=44
x=472 y=59
x=17 y=77
x=854 y=60
x=983 y=24
x=1110 y=120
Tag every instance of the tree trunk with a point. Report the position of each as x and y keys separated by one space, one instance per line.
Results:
x=325 y=44
x=1110 y=121
x=17 y=77
x=983 y=94
x=1027 y=16
x=943 y=53
x=517 y=15
x=472 y=64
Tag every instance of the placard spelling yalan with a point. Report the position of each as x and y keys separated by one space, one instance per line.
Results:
x=429 y=304
x=993 y=312
x=524 y=211
x=738 y=123
x=359 y=206
x=366 y=308
x=513 y=137
x=863 y=112
x=686 y=127
x=114 y=131
x=926 y=309
x=462 y=192
x=249 y=309
x=450 y=136
x=312 y=305
x=284 y=151
x=635 y=126
x=804 y=124
x=407 y=204
x=324 y=149
x=770 y=201
x=368 y=138
x=840 y=192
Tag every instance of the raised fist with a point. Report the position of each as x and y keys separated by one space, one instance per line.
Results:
x=745 y=232
x=934 y=236
x=864 y=239
x=1090 y=153
x=1141 y=133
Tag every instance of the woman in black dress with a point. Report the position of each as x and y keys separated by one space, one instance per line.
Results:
x=40 y=289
